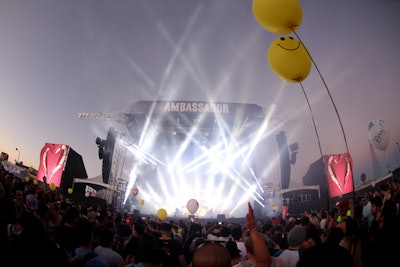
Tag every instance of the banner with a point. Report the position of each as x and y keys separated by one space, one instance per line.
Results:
x=339 y=172
x=52 y=162
x=16 y=170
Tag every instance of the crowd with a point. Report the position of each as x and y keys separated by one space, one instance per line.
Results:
x=41 y=227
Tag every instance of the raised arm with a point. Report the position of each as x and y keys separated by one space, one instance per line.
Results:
x=261 y=253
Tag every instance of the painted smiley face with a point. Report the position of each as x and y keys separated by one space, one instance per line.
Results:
x=289 y=43
x=289 y=59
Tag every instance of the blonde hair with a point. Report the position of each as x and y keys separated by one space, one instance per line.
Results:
x=353 y=245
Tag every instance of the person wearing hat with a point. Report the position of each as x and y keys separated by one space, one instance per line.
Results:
x=290 y=256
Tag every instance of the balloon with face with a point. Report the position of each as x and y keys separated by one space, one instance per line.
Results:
x=379 y=134
x=289 y=59
x=278 y=16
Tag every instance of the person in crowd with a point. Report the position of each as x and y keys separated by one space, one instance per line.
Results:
x=353 y=245
x=331 y=219
x=284 y=210
x=327 y=255
x=31 y=203
x=136 y=242
x=121 y=237
x=385 y=192
x=348 y=225
x=214 y=232
x=211 y=254
x=7 y=218
x=83 y=234
x=256 y=244
x=334 y=236
x=152 y=227
x=64 y=232
x=194 y=239
x=54 y=219
x=376 y=206
x=367 y=216
x=237 y=236
x=269 y=229
x=323 y=219
x=313 y=218
x=19 y=204
x=313 y=236
x=290 y=256
x=104 y=249
x=154 y=257
x=384 y=247
x=173 y=247
x=31 y=245
x=234 y=252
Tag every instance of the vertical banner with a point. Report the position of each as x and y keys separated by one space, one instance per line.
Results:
x=52 y=162
x=339 y=172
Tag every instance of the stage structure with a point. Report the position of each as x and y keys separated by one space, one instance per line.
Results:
x=169 y=152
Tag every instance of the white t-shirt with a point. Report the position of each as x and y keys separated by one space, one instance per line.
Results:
x=113 y=258
x=289 y=257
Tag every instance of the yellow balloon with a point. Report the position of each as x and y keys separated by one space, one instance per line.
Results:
x=70 y=191
x=27 y=179
x=162 y=214
x=278 y=16
x=35 y=182
x=289 y=59
x=141 y=202
x=52 y=187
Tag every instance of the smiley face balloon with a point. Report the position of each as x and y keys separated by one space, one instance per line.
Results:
x=289 y=59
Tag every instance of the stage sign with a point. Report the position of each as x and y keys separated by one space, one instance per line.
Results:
x=53 y=158
x=339 y=172
x=163 y=107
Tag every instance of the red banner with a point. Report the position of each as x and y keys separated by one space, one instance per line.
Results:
x=339 y=172
x=52 y=162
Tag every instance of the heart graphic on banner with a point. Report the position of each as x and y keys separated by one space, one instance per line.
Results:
x=339 y=169
x=53 y=157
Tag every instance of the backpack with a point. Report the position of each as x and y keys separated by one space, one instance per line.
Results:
x=76 y=261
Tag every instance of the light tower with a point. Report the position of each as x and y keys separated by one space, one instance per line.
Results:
x=19 y=153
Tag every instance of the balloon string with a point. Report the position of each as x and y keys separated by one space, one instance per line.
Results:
x=327 y=89
x=313 y=120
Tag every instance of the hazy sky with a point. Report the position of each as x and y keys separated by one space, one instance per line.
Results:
x=62 y=57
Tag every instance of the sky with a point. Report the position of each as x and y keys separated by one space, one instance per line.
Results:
x=59 y=58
